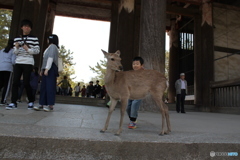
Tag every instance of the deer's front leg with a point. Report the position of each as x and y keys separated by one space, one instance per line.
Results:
x=111 y=109
x=123 y=110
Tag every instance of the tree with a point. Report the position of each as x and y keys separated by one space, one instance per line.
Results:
x=167 y=64
x=100 y=69
x=68 y=65
x=5 y=23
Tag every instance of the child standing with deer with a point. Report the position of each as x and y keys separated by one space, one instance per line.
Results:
x=133 y=105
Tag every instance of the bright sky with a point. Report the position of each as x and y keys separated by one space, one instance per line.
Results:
x=85 y=38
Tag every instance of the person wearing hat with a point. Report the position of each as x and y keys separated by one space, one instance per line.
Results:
x=25 y=47
x=181 y=91
x=49 y=73
x=90 y=89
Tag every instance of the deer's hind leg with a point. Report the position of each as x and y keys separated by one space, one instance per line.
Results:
x=111 y=109
x=167 y=117
x=158 y=99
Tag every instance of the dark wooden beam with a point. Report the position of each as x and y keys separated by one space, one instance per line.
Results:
x=226 y=50
x=194 y=2
x=182 y=11
x=233 y=82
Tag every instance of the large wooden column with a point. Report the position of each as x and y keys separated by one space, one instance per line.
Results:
x=125 y=34
x=204 y=57
x=152 y=39
x=124 y=31
x=34 y=10
x=152 y=34
x=112 y=46
x=173 y=60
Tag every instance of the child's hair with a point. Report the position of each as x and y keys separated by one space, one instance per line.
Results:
x=53 y=39
x=138 y=59
x=9 y=46
x=26 y=22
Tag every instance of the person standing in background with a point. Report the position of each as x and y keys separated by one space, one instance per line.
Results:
x=7 y=60
x=181 y=91
x=77 y=90
x=83 y=91
x=34 y=81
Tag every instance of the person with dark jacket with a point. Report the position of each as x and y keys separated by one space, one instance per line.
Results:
x=7 y=60
x=97 y=89
x=90 y=89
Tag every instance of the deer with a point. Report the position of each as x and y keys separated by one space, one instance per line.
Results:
x=123 y=85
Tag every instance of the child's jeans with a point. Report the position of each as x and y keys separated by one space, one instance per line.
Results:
x=133 y=107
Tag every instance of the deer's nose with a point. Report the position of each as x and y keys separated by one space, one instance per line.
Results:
x=120 y=68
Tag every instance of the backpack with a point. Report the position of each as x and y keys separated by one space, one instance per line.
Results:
x=64 y=83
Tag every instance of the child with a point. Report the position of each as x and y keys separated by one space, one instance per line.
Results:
x=133 y=105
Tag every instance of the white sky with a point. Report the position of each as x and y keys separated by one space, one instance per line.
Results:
x=85 y=38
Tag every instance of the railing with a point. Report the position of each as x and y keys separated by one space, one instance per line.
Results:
x=226 y=95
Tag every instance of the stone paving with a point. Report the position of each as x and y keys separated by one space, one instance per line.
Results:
x=84 y=123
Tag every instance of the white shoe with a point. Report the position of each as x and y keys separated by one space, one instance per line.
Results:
x=39 y=108
x=47 y=109
x=11 y=106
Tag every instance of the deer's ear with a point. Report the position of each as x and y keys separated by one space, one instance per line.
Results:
x=105 y=53
x=118 y=53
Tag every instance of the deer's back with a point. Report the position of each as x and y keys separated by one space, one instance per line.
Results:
x=142 y=79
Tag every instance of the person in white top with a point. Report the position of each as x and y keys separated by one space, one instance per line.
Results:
x=181 y=91
x=77 y=90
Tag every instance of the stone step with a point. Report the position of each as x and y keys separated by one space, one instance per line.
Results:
x=16 y=148
x=80 y=101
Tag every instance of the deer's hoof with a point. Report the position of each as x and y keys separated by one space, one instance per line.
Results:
x=117 y=134
x=102 y=131
x=161 y=134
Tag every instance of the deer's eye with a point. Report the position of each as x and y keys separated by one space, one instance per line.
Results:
x=112 y=59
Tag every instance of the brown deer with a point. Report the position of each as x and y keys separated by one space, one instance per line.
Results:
x=124 y=85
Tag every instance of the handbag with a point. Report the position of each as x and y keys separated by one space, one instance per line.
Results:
x=60 y=64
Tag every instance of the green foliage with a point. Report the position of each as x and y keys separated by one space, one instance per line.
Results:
x=68 y=65
x=167 y=64
x=5 y=24
x=100 y=69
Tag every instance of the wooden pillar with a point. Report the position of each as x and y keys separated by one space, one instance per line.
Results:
x=125 y=32
x=152 y=34
x=35 y=11
x=204 y=57
x=112 y=47
x=173 y=60
x=50 y=16
x=152 y=39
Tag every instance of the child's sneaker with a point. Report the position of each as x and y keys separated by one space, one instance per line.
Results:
x=11 y=106
x=30 y=105
x=132 y=125
x=39 y=108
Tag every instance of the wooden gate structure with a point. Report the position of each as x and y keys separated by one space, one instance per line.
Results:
x=204 y=38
